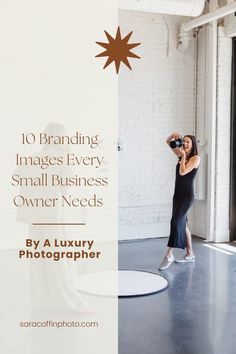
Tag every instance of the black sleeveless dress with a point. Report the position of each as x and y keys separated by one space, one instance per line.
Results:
x=182 y=201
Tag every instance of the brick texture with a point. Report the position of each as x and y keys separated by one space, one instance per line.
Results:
x=155 y=99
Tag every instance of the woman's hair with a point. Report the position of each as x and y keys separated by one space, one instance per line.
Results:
x=194 y=150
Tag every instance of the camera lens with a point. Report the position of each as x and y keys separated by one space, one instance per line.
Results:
x=176 y=143
x=173 y=144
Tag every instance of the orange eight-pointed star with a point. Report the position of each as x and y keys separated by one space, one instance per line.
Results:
x=118 y=50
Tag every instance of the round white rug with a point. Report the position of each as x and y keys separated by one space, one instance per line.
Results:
x=130 y=283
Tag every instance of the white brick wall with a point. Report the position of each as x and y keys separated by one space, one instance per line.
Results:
x=223 y=137
x=155 y=99
x=222 y=145
x=197 y=220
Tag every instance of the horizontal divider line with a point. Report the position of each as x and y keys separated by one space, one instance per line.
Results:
x=58 y=223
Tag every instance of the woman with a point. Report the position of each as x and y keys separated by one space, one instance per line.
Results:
x=186 y=171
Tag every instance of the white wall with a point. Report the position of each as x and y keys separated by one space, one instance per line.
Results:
x=198 y=222
x=155 y=99
x=223 y=137
x=222 y=143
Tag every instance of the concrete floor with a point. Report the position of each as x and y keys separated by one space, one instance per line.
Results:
x=197 y=312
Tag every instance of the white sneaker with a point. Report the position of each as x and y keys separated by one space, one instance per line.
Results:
x=166 y=262
x=186 y=259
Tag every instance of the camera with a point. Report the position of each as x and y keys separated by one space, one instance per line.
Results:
x=176 y=143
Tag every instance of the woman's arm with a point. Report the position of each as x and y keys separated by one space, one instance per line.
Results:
x=184 y=167
x=174 y=136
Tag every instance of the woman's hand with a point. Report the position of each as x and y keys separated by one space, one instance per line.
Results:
x=181 y=152
x=173 y=136
x=176 y=136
